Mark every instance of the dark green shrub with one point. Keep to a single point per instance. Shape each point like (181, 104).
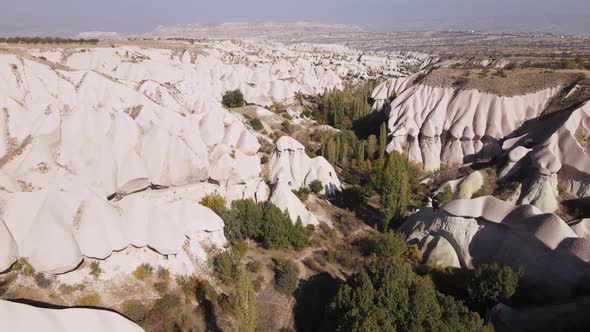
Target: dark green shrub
(286, 276)
(226, 267)
(233, 99)
(316, 186)
(349, 198)
(491, 284)
(256, 124)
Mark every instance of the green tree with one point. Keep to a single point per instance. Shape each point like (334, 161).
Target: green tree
(360, 153)
(395, 189)
(382, 139)
(233, 99)
(331, 152)
(286, 276)
(226, 267)
(245, 303)
(371, 147)
(390, 297)
(344, 156)
(491, 284)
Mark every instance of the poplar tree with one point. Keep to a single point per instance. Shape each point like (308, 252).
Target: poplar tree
(395, 190)
(245, 303)
(382, 139)
(371, 147)
(331, 152)
(360, 153)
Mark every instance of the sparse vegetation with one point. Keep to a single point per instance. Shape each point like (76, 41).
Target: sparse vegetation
(302, 193)
(90, 300)
(286, 276)
(135, 310)
(143, 271)
(95, 270)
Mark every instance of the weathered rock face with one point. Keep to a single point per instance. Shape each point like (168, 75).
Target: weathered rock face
(290, 164)
(485, 229)
(23, 317)
(449, 125)
(290, 168)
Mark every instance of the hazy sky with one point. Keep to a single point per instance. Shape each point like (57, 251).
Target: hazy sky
(72, 16)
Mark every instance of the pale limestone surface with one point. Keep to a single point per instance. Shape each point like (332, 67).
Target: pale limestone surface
(26, 318)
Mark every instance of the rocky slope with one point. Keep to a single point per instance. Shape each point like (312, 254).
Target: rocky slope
(104, 148)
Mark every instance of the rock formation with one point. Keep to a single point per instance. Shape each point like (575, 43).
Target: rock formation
(290, 169)
(22, 317)
(486, 229)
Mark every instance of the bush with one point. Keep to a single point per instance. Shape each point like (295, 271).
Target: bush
(316, 186)
(90, 300)
(226, 267)
(23, 265)
(134, 310)
(215, 202)
(390, 245)
(240, 248)
(286, 276)
(302, 193)
(233, 99)
(491, 284)
(164, 313)
(256, 124)
(163, 274)
(143, 271)
(95, 270)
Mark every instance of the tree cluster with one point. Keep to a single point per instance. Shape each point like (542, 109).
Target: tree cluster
(46, 40)
(264, 223)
